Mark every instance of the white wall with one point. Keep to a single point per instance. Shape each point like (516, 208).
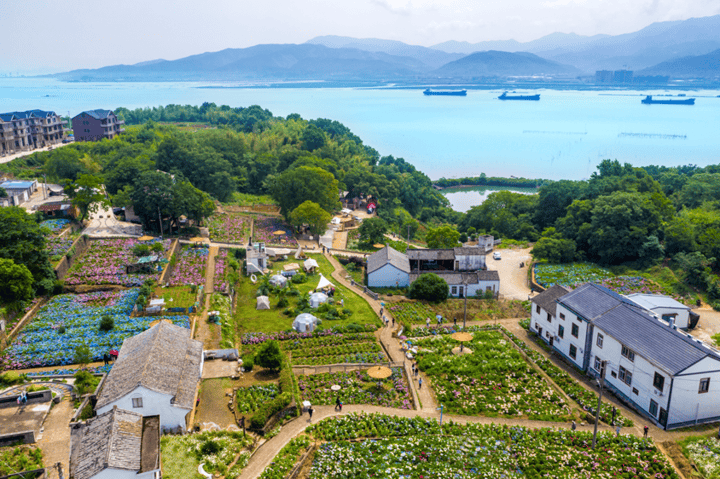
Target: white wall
(470, 262)
(681, 320)
(111, 473)
(388, 277)
(549, 328)
(563, 345)
(687, 403)
(154, 403)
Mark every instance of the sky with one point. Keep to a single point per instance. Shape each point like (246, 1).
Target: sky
(43, 36)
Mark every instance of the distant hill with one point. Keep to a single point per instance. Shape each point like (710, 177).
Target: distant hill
(430, 57)
(286, 62)
(707, 66)
(548, 42)
(494, 63)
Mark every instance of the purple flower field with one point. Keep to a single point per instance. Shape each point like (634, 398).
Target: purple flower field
(189, 267)
(357, 388)
(219, 281)
(264, 228)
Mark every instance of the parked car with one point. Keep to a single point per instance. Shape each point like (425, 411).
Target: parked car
(496, 255)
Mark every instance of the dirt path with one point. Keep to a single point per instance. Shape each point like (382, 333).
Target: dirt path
(513, 278)
(340, 240)
(55, 442)
(208, 333)
(214, 401)
(210, 270)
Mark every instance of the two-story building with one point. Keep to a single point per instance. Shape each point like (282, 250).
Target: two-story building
(95, 125)
(27, 130)
(543, 313)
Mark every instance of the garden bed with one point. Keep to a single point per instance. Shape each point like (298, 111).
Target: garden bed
(495, 380)
(418, 447)
(703, 451)
(216, 449)
(20, 458)
(177, 296)
(220, 284)
(357, 388)
(251, 398)
(229, 228)
(410, 313)
(335, 349)
(188, 266)
(68, 321)
(106, 260)
(264, 228)
(288, 456)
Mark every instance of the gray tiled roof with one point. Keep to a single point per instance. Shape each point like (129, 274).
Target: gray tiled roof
(117, 439)
(547, 299)
(652, 301)
(460, 277)
(98, 114)
(469, 251)
(663, 346)
(163, 359)
(388, 255)
(431, 254)
(591, 300)
(488, 275)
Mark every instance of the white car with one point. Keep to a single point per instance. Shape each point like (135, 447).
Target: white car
(496, 255)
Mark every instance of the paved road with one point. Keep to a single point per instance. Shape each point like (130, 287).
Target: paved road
(513, 279)
(9, 158)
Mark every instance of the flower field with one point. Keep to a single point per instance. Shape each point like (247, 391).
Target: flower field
(229, 228)
(705, 452)
(495, 380)
(258, 338)
(265, 226)
(41, 342)
(189, 266)
(635, 284)
(249, 399)
(57, 247)
(357, 388)
(105, 261)
(407, 313)
(286, 458)
(219, 280)
(335, 349)
(55, 226)
(570, 275)
(216, 449)
(419, 448)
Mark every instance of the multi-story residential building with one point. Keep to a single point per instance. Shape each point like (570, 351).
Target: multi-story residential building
(667, 375)
(94, 125)
(26, 130)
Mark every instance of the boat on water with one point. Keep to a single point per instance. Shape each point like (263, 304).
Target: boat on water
(505, 96)
(445, 92)
(648, 100)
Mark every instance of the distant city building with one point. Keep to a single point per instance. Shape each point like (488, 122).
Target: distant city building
(618, 76)
(28, 130)
(94, 125)
(623, 76)
(604, 76)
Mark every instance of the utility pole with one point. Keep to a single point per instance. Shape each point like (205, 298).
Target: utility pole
(408, 241)
(44, 186)
(465, 308)
(441, 413)
(601, 382)
(160, 222)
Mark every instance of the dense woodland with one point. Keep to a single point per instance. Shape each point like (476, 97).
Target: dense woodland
(622, 215)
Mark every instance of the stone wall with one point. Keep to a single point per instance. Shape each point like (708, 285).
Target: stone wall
(79, 247)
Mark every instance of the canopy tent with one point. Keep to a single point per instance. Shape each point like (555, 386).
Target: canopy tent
(310, 264)
(345, 211)
(279, 281)
(335, 221)
(291, 266)
(305, 323)
(324, 283)
(299, 253)
(263, 302)
(316, 299)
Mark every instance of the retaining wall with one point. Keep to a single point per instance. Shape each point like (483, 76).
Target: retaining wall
(78, 247)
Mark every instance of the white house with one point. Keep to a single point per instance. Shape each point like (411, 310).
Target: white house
(156, 374)
(469, 258)
(543, 314)
(256, 258)
(117, 444)
(667, 308)
(388, 268)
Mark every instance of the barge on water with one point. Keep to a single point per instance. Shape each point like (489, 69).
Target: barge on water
(445, 92)
(648, 100)
(505, 96)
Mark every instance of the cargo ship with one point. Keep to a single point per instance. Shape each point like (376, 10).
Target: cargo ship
(648, 100)
(505, 96)
(446, 92)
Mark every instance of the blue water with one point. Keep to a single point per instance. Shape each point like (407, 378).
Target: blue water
(564, 135)
(462, 199)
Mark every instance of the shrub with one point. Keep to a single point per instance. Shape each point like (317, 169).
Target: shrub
(269, 356)
(141, 249)
(248, 362)
(11, 378)
(299, 278)
(85, 382)
(107, 323)
(267, 410)
(429, 287)
(157, 247)
(61, 330)
(282, 302)
(209, 448)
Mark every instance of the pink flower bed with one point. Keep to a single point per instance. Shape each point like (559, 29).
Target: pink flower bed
(229, 228)
(189, 267)
(264, 228)
(219, 281)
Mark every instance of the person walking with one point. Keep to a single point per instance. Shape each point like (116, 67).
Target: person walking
(310, 413)
(420, 384)
(617, 431)
(106, 358)
(338, 404)
(574, 425)
(645, 432)
(393, 321)
(427, 323)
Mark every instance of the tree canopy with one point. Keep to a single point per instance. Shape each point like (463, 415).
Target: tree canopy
(311, 214)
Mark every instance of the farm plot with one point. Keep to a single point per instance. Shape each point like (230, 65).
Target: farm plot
(335, 349)
(250, 399)
(55, 226)
(411, 313)
(72, 320)
(219, 280)
(216, 449)
(189, 266)
(418, 447)
(357, 388)
(495, 380)
(570, 275)
(106, 260)
(705, 452)
(265, 227)
(229, 228)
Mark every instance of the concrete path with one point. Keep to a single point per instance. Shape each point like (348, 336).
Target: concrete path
(513, 278)
(55, 442)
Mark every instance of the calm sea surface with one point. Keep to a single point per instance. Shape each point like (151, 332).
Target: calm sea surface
(462, 199)
(564, 135)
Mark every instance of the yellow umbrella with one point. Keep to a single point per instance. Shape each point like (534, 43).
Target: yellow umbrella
(278, 232)
(379, 372)
(462, 337)
(378, 245)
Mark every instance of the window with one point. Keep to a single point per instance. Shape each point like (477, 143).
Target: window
(598, 364)
(635, 391)
(653, 408)
(613, 374)
(561, 332)
(562, 316)
(659, 381)
(549, 318)
(625, 376)
(454, 290)
(600, 338)
(704, 385)
(575, 330)
(137, 402)
(573, 351)
(537, 309)
(627, 352)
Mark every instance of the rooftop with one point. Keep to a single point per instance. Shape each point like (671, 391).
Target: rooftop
(547, 300)
(652, 301)
(17, 185)
(97, 114)
(163, 359)
(388, 255)
(431, 254)
(591, 301)
(460, 277)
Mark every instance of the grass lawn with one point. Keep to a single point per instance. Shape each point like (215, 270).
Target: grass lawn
(415, 312)
(358, 274)
(246, 199)
(217, 449)
(176, 296)
(250, 320)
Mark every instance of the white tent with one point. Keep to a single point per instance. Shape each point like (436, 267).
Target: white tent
(279, 281)
(305, 323)
(345, 211)
(310, 264)
(316, 299)
(324, 283)
(299, 253)
(335, 221)
(263, 302)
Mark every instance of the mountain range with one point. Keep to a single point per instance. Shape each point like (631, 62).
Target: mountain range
(676, 48)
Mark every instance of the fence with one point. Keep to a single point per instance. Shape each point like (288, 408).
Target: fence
(365, 290)
(27, 474)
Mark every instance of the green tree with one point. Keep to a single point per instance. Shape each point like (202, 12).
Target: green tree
(696, 267)
(429, 287)
(82, 355)
(411, 225)
(17, 281)
(294, 187)
(679, 236)
(152, 197)
(313, 138)
(86, 194)
(309, 213)
(651, 251)
(23, 241)
(372, 231)
(554, 250)
(269, 356)
(442, 237)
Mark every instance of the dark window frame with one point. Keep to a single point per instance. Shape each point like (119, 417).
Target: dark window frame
(561, 331)
(627, 353)
(575, 330)
(653, 406)
(573, 354)
(599, 340)
(658, 381)
(704, 386)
